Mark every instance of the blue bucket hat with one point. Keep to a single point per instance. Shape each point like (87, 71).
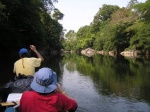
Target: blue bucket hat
(44, 81)
(23, 50)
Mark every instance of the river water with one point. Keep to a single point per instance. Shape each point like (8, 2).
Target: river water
(101, 83)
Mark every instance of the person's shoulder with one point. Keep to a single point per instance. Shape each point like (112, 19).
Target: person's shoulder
(59, 94)
(56, 94)
(18, 61)
(28, 95)
(28, 92)
(34, 58)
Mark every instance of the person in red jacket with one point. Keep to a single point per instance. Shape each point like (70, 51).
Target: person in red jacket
(47, 95)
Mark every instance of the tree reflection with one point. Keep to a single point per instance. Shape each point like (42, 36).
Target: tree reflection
(118, 76)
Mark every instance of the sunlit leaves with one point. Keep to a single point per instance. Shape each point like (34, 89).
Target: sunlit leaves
(122, 16)
(132, 3)
(144, 10)
(141, 41)
(105, 12)
(71, 36)
(115, 28)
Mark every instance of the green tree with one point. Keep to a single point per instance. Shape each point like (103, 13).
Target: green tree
(114, 35)
(69, 41)
(25, 22)
(57, 15)
(102, 17)
(141, 36)
(132, 3)
(71, 36)
(105, 12)
(84, 37)
(141, 40)
(144, 11)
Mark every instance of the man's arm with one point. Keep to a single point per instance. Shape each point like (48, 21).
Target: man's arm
(33, 48)
(59, 89)
(71, 105)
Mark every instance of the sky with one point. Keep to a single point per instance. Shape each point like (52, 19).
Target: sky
(78, 13)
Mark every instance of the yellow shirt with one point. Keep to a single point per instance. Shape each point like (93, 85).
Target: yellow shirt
(26, 66)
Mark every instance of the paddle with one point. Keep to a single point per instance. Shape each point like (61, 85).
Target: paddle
(9, 103)
(12, 99)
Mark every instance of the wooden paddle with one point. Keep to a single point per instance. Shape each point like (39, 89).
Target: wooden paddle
(9, 103)
(12, 99)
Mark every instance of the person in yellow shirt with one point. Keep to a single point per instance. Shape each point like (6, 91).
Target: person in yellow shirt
(26, 65)
(24, 70)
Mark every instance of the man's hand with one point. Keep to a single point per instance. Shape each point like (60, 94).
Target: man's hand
(59, 89)
(33, 48)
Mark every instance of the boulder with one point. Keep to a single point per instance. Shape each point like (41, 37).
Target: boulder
(88, 52)
(130, 53)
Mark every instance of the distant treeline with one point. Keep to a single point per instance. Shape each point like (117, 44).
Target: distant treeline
(114, 29)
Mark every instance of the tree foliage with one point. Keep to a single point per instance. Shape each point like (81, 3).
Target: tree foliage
(25, 22)
(57, 15)
(144, 11)
(70, 40)
(132, 3)
(117, 29)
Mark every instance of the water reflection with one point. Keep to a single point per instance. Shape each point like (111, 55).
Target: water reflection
(107, 84)
(100, 83)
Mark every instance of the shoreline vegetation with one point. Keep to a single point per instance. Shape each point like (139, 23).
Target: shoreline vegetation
(114, 31)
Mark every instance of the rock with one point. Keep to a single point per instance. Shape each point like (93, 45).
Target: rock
(130, 53)
(88, 52)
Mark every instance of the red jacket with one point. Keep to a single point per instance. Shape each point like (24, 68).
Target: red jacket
(32, 101)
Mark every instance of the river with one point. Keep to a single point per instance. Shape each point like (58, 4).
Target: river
(100, 83)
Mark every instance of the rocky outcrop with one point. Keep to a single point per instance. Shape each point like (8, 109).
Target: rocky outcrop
(111, 53)
(88, 52)
(130, 53)
(102, 52)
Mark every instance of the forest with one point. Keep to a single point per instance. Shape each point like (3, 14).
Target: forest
(25, 22)
(114, 29)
